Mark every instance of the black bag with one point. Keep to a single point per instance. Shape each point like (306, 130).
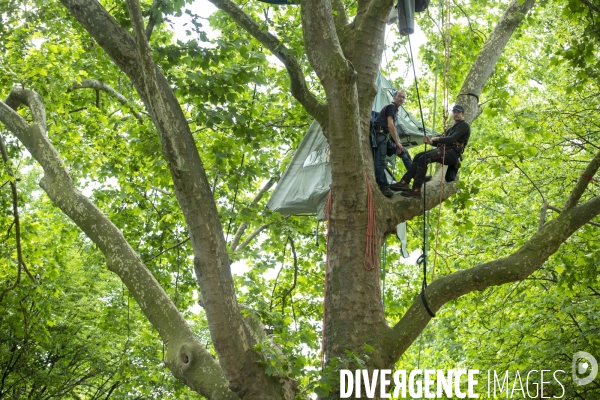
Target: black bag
(421, 5)
(373, 135)
(391, 147)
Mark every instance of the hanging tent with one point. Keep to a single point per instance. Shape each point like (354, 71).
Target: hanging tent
(304, 185)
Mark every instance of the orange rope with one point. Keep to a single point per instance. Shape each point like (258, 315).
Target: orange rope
(370, 260)
(327, 215)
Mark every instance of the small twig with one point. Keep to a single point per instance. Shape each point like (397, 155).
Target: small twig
(277, 277)
(257, 198)
(469, 22)
(165, 250)
(543, 212)
(161, 191)
(98, 85)
(77, 110)
(527, 176)
(288, 292)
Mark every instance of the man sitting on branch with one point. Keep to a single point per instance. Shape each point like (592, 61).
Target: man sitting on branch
(448, 152)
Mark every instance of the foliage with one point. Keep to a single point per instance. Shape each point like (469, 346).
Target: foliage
(538, 129)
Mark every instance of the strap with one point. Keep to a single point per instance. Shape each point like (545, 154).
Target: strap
(589, 178)
(423, 260)
(471, 94)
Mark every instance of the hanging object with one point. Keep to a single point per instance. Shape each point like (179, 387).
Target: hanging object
(406, 14)
(406, 17)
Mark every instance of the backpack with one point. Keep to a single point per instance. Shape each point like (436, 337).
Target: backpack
(421, 5)
(372, 133)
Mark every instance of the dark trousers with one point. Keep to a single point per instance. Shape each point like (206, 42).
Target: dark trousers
(406, 160)
(379, 158)
(418, 170)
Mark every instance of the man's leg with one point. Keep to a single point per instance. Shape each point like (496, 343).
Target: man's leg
(410, 173)
(420, 169)
(406, 160)
(379, 159)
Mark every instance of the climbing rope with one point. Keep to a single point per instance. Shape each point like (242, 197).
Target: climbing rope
(422, 260)
(446, 106)
(370, 258)
(446, 40)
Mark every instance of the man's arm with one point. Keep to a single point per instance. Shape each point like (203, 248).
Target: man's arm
(461, 130)
(392, 129)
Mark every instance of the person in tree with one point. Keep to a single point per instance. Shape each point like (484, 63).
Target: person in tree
(448, 152)
(385, 128)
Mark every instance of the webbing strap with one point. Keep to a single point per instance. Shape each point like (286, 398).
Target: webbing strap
(423, 260)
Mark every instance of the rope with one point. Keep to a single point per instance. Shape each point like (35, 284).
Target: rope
(327, 215)
(370, 258)
(423, 258)
(447, 38)
(589, 178)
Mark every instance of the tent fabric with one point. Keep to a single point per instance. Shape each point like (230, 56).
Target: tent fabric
(304, 186)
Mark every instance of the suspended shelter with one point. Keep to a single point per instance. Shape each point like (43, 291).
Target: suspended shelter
(304, 186)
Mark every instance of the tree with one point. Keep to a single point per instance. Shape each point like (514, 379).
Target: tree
(344, 53)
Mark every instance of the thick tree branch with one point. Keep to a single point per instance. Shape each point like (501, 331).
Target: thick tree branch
(591, 5)
(238, 235)
(299, 89)
(252, 236)
(558, 210)
(154, 18)
(375, 13)
(98, 85)
(517, 266)
(340, 18)
(229, 334)
(399, 209)
(486, 60)
(323, 47)
(183, 349)
(583, 182)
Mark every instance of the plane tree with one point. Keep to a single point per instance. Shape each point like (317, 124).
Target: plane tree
(343, 45)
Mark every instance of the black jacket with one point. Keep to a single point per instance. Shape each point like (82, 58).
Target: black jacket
(457, 133)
